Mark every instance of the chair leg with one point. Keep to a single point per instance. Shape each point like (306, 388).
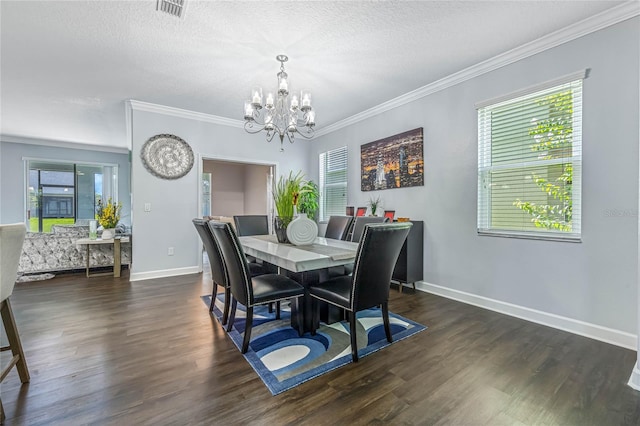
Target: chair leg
(278, 310)
(1, 413)
(315, 312)
(232, 315)
(214, 294)
(247, 330)
(299, 318)
(14, 340)
(227, 302)
(352, 330)
(385, 318)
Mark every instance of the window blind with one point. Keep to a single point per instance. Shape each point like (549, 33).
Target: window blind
(530, 164)
(333, 183)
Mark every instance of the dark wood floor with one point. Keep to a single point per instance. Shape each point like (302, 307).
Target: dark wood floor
(106, 351)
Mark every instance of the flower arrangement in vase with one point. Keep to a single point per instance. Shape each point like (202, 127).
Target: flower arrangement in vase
(285, 198)
(289, 226)
(108, 216)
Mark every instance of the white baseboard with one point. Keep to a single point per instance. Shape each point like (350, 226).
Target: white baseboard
(634, 380)
(593, 331)
(140, 276)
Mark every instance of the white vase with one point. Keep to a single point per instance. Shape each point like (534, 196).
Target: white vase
(302, 231)
(108, 234)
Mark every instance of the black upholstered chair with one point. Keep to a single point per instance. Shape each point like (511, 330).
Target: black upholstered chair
(369, 285)
(338, 227)
(251, 225)
(218, 272)
(251, 291)
(359, 223)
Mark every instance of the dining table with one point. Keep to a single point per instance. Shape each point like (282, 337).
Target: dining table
(306, 264)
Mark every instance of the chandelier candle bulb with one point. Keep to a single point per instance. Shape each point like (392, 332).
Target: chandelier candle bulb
(294, 102)
(248, 110)
(257, 96)
(269, 102)
(306, 99)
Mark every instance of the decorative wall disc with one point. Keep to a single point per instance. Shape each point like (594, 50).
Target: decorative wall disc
(167, 156)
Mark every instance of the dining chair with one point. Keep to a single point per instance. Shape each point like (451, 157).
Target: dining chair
(11, 240)
(216, 263)
(251, 291)
(247, 225)
(338, 227)
(389, 214)
(368, 287)
(361, 211)
(359, 224)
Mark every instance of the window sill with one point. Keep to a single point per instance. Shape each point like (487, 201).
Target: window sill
(570, 238)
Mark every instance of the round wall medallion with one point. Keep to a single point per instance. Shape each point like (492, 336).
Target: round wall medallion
(167, 156)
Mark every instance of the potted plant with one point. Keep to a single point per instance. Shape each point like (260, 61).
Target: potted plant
(374, 203)
(308, 201)
(108, 216)
(285, 197)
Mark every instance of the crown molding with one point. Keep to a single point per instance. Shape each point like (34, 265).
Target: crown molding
(594, 23)
(184, 113)
(62, 144)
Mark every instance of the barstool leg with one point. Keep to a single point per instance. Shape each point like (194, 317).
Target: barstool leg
(14, 340)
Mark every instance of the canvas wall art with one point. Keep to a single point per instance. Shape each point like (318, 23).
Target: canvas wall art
(393, 162)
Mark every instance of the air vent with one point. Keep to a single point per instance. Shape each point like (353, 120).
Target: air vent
(172, 7)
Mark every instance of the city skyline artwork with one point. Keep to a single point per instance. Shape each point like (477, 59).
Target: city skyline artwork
(393, 162)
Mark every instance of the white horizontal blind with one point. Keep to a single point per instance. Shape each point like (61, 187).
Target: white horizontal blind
(333, 183)
(530, 164)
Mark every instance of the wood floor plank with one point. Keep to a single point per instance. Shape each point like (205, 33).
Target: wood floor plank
(105, 351)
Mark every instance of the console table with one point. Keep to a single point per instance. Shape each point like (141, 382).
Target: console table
(116, 252)
(409, 267)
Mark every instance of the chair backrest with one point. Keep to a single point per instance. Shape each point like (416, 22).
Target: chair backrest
(361, 211)
(351, 211)
(235, 262)
(218, 272)
(338, 227)
(360, 222)
(252, 225)
(375, 261)
(11, 240)
(389, 214)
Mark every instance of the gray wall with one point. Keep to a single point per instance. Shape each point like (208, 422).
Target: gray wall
(175, 202)
(594, 281)
(255, 186)
(12, 191)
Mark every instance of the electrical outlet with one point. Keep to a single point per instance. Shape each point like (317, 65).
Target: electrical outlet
(147, 207)
(170, 251)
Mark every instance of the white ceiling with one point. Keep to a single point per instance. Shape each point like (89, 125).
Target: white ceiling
(68, 66)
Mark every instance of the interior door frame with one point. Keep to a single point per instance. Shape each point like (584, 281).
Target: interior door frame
(215, 157)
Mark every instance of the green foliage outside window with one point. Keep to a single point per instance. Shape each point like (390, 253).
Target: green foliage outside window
(553, 139)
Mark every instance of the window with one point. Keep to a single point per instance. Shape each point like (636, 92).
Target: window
(530, 163)
(333, 183)
(63, 193)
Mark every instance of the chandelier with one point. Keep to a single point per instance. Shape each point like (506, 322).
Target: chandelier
(280, 114)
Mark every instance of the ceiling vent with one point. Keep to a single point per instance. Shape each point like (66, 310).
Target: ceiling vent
(172, 7)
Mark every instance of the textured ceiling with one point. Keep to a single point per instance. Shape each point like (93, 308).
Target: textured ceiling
(68, 66)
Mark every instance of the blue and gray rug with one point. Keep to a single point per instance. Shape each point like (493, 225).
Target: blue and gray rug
(284, 360)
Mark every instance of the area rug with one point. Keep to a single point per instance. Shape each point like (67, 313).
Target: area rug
(284, 360)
